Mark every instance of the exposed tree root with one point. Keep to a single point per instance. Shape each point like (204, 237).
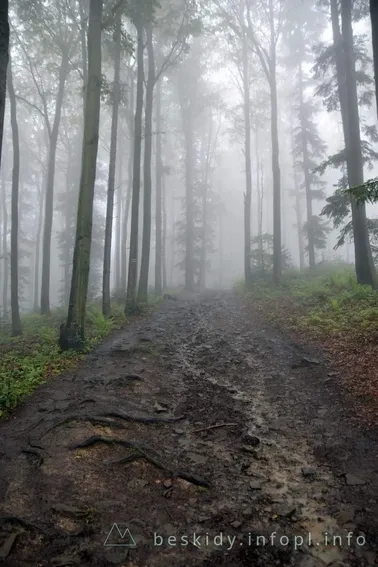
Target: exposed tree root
(214, 427)
(141, 419)
(144, 453)
(24, 523)
(93, 420)
(34, 453)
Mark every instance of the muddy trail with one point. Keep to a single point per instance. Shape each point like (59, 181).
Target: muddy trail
(195, 437)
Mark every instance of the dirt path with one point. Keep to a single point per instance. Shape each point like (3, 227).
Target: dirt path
(287, 462)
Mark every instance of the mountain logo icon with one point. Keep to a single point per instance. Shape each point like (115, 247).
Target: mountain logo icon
(119, 537)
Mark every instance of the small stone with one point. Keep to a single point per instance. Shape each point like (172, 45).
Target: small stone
(179, 431)
(251, 439)
(236, 524)
(352, 480)
(167, 484)
(308, 471)
(255, 484)
(159, 408)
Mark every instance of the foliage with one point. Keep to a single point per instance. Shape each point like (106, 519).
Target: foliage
(262, 255)
(28, 361)
(328, 303)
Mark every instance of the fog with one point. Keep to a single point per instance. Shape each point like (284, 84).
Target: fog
(213, 66)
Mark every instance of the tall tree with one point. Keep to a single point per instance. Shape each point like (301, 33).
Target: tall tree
(133, 255)
(112, 167)
(16, 321)
(147, 186)
(268, 59)
(4, 56)
(374, 29)
(344, 45)
(72, 334)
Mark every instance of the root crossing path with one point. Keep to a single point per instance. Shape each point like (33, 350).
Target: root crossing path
(196, 437)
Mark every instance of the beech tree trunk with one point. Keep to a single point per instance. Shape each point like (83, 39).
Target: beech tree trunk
(49, 204)
(15, 309)
(158, 211)
(72, 335)
(111, 177)
(307, 176)
(147, 189)
(248, 168)
(5, 245)
(347, 88)
(133, 256)
(374, 29)
(4, 57)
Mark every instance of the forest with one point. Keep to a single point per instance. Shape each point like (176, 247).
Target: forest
(188, 223)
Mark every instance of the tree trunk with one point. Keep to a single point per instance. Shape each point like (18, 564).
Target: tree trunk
(118, 228)
(158, 212)
(111, 178)
(37, 253)
(307, 176)
(248, 168)
(72, 335)
(129, 190)
(133, 256)
(16, 321)
(4, 56)
(5, 245)
(146, 242)
(164, 242)
(346, 74)
(277, 247)
(49, 205)
(189, 203)
(374, 29)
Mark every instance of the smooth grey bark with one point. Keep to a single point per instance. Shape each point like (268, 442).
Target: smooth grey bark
(49, 203)
(73, 333)
(111, 177)
(347, 90)
(126, 208)
(269, 65)
(133, 256)
(4, 57)
(147, 185)
(38, 248)
(298, 210)
(164, 236)
(158, 203)
(307, 175)
(15, 308)
(374, 29)
(118, 229)
(248, 166)
(5, 245)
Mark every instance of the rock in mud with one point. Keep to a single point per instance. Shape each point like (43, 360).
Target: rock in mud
(308, 472)
(352, 480)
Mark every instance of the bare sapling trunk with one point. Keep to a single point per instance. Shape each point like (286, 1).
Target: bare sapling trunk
(72, 334)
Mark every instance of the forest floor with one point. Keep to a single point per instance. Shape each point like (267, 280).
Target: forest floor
(196, 431)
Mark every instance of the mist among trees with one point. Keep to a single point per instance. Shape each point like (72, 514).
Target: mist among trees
(153, 146)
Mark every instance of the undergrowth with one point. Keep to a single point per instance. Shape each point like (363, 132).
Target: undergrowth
(322, 303)
(31, 359)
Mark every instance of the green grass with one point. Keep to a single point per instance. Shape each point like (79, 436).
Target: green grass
(29, 360)
(327, 302)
